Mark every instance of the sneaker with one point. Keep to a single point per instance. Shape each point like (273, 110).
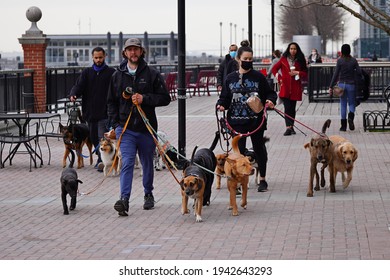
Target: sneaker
(122, 206)
(288, 132)
(263, 186)
(148, 201)
(100, 167)
(293, 131)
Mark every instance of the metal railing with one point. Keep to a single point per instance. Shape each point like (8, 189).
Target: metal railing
(320, 76)
(13, 85)
(16, 86)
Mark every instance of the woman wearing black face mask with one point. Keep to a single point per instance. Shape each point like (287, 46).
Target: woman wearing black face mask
(293, 67)
(236, 90)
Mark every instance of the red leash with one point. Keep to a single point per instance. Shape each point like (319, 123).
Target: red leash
(282, 113)
(254, 131)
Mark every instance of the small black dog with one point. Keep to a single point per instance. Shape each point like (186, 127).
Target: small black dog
(69, 185)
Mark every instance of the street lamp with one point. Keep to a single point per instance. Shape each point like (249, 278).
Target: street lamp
(254, 44)
(220, 38)
(258, 36)
(235, 33)
(231, 32)
(243, 34)
(342, 31)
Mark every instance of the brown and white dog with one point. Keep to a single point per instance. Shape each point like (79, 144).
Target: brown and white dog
(107, 154)
(238, 169)
(197, 182)
(344, 156)
(320, 148)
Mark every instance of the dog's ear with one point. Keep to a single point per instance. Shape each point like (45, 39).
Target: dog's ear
(200, 183)
(61, 127)
(78, 180)
(230, 161)
(182, 184)
(307, 145)
(328, 142)
(355, 154)
(340, 151)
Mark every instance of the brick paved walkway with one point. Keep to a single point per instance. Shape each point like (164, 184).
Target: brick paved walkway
(281, 224)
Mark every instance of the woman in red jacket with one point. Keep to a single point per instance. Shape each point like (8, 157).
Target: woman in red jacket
(293, 67)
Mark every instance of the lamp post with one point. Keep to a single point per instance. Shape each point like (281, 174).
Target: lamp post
(243, 34)
(254, 44)
(231, 32)
(235, 33)
(262, 43)
(220, 38)
(258, 36)
(342, 31)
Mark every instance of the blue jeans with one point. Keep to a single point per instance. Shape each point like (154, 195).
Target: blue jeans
(347, 98)
(133, 142)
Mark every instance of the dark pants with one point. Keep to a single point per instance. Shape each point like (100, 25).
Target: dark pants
(289, 109)
(96, 132)
(259, 148)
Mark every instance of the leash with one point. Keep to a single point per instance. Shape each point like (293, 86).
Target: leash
(222, 128)
(282, 114)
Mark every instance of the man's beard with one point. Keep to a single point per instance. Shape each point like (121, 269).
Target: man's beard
(134, 61)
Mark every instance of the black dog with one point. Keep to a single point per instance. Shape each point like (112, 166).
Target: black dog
(206, 159)
(69, 185)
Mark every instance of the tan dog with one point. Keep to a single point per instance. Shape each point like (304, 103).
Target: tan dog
(238, 169)
(220, 169)
(344, 156)
(320, 148)
(107, 154)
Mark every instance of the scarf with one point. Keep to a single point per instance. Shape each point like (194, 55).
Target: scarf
(99, 68)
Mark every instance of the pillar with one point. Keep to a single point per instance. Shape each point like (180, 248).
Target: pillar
(34, 44)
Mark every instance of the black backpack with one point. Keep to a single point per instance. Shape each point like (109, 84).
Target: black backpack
(362, 87)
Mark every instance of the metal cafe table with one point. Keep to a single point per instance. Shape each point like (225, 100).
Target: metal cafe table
(24, 136)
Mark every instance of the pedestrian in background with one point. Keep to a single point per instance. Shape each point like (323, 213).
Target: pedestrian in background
(314, 57)
(293, 67)
(135, 83)
(228, 65)
(92, 87)
(347, 69)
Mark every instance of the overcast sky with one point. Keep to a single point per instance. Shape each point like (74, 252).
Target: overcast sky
(154, 16)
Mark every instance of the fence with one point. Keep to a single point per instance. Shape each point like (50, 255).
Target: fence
(16, 85)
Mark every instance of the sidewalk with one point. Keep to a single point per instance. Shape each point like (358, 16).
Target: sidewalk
(281, 224)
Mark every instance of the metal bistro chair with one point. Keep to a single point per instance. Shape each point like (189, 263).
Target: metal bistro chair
(29, 138)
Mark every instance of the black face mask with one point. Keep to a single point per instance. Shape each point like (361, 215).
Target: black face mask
(246, 65)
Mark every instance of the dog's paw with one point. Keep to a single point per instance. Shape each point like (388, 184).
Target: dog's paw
(309, 194)
(198, 219)
(71, 208)
(316, 188)
(244, 206)
(230, 207)
(234, 213)
(66, 212)
(184, 212)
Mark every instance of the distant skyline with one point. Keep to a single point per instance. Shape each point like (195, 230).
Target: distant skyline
(203, 19)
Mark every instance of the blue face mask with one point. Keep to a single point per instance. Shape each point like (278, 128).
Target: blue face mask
(233, 54)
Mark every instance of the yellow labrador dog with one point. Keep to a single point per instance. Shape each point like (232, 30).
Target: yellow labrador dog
(344, 156)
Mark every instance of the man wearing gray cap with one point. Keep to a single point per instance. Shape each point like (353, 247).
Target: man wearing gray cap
(135, 83)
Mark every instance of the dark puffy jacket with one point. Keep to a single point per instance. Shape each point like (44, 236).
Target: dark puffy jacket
(227, 66)
(92, 87)
(148, 82)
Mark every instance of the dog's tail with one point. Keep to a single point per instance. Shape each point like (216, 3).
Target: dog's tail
(193, 154)
(235, 148)
(71, 157)
(215, 141)
(325, 126)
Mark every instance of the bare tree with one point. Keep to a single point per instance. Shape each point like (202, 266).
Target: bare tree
(310, 20)
(372, 15)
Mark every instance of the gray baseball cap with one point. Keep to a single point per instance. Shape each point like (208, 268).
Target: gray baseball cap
(135, 42)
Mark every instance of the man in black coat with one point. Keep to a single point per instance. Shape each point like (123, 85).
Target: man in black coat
(228, 65)
(92, 86)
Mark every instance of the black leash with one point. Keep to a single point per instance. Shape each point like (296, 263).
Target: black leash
(224, 131)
